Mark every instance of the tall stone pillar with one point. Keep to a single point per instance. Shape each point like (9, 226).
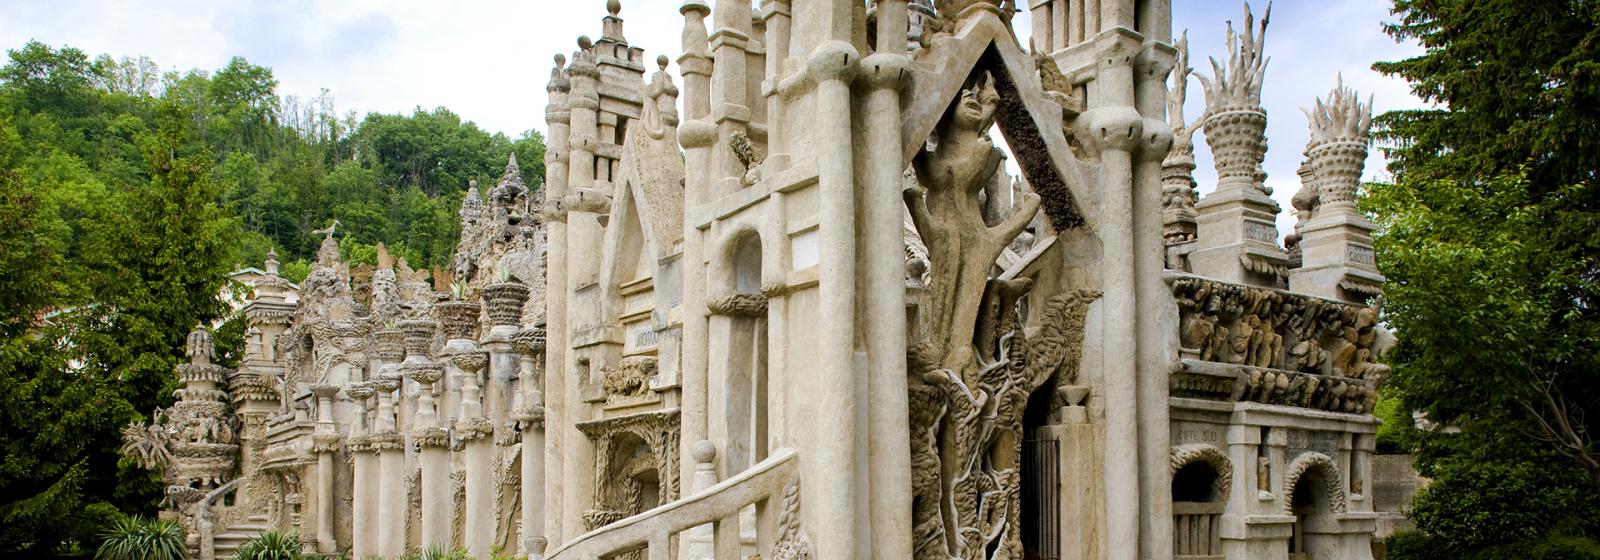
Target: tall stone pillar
(582, 233)
(325, 443)
(426, 432)
(364, 523)
(696, 136)
(558, 116)
(528, 413)
(389, 445)
(1337, 259)
(841, 481)
(883, 282)
(1238, 221)
(1113, 111)
(474, 431)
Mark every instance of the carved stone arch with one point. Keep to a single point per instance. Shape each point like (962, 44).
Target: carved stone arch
(1331, 477)
(1032, 124)
(1183, 455)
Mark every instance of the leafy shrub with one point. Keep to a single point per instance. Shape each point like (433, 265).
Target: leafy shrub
(271, 545)
(138, 538)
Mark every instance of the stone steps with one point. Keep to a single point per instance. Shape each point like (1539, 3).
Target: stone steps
(226, 543)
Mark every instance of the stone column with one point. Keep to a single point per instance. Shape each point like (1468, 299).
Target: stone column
(389, 445)
(325, 443)
(1119, 305)
(474, 430)
(883, 281)
(1337, 259)
(558, 117)
(1237, 222)
(841, 477)
(426, 432)
(696, 137)
(363, 527)
(581, 234)
(528, 413)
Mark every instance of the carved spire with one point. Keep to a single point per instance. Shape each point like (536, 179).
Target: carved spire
(1177, 171)
(1238, 85)
(1338, 147)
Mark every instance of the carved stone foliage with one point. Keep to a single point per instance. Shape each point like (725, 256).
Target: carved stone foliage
(971, 377)
(630, 451)
(1332, 480)
(630, 379)
(792, 542)
(739, 305)
(1293, 349)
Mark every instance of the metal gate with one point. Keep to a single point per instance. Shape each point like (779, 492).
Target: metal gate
(1041, 497)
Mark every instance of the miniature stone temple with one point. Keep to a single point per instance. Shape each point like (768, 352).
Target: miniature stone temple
(793, 304)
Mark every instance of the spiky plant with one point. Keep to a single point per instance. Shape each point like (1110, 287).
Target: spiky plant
(139, 538)
(149, 445)
(440, 552)
(271, 545)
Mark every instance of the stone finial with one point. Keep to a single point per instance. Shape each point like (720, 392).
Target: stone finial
(1178, 195)
(614, 7)
(272, 262)
(1338, 148)
(1238, 85)
(200, 347)
(558, 76)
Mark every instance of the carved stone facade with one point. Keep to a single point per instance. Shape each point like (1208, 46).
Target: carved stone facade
(806, 312)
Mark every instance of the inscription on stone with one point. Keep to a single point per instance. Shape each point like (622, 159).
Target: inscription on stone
(1301, 441)
(1257, 231)
(1196, 435)
(1362, 255)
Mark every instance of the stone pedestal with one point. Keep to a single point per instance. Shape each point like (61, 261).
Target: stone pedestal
(1237, 223)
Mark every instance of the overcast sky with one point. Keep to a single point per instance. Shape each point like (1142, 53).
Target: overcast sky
(488, 60)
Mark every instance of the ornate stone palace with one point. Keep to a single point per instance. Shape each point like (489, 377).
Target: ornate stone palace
(793, 304)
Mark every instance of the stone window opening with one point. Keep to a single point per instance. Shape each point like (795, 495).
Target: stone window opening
(1197, 507)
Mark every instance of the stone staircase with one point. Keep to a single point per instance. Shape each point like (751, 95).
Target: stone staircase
(227, 542)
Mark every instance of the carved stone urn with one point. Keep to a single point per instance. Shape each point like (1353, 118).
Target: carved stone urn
(504, 302)
(458, 319)
(418, 339)
(1238, 140)
(390, 344)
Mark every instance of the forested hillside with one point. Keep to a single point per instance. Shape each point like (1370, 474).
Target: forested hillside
(127, 194)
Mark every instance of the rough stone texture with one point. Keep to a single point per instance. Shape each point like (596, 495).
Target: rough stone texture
(797, 308)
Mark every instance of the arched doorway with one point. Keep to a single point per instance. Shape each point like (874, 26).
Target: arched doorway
(1313, 492)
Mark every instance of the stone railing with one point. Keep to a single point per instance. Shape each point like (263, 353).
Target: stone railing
(1246, 343)
(772, 485)
(206, 519)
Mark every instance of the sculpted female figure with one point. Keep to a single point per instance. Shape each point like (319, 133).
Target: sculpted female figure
(945, 209)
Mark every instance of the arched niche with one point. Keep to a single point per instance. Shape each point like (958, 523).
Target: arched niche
(1202, 478)
(739, 351)
(1313, 491)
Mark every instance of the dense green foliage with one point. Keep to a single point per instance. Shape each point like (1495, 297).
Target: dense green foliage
(126, 198)
(1490, 236)
(271, 545)
(138, 538)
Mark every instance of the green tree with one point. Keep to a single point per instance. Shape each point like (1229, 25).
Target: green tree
(1490, 236)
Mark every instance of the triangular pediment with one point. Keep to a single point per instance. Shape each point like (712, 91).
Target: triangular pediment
(1032, 124)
